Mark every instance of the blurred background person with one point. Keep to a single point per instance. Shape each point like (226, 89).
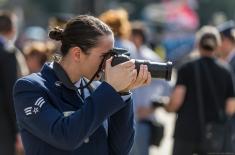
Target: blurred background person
(227, 50)
(140, 40)
(184, 99)
(12, 66)
(143, 97)
(58, 20)
(121, 27)
(30, 34)
(37, 53)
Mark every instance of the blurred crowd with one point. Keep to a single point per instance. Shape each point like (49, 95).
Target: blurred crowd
(23, 53)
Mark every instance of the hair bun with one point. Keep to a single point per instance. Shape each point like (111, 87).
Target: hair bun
(56, 34)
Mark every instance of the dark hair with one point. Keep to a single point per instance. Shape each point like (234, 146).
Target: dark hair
(138, 28)
(208, 42)
(6, 24)
(208, 38)
(229, 36)
(227, 29)
(82, 31)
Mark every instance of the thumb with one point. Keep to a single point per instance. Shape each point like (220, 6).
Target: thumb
(108, 63)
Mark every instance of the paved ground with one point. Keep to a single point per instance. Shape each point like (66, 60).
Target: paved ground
(168, 119)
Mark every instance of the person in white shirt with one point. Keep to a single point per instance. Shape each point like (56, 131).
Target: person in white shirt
(144, 97)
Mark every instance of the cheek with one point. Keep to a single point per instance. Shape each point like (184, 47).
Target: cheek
(96, 65)
(93, 65)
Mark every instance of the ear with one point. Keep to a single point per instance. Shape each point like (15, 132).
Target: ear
(76, 53)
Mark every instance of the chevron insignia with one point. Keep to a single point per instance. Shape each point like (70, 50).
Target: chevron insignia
(35, 108)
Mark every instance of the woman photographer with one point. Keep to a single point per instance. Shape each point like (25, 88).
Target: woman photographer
(59, 114)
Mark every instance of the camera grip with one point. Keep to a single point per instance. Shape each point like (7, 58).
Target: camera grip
(117, 60)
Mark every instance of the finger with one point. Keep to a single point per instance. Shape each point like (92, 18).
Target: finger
(128, 63)
(131, 68)
(141, 73)
(134, 75)
(145, 75)
(133, 78)
(137, 81)
(108, 63)
(149, 79)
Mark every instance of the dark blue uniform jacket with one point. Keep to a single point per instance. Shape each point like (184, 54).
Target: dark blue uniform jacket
(54, 120)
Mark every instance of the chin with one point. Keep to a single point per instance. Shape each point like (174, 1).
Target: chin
(98, 77)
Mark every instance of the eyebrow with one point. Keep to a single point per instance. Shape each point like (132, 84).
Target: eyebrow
(107, 52)
(104, 54)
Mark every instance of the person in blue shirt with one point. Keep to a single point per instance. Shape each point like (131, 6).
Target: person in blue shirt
(60, 113)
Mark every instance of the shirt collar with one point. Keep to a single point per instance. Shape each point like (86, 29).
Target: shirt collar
(63, 77)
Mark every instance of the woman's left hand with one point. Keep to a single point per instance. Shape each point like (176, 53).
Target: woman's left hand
(143, 78)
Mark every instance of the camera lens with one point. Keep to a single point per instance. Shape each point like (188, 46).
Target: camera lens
(157, 69)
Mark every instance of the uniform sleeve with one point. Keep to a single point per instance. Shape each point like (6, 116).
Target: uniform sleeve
(36, 114)
(121, 130)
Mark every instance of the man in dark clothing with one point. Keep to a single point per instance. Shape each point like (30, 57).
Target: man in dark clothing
(184, 99)
(227, 50)
(9, 71)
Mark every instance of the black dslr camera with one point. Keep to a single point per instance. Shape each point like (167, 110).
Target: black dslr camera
(157, 69)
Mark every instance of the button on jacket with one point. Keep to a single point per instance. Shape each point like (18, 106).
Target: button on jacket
(54, 120)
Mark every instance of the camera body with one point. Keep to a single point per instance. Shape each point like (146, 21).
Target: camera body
(157, 69)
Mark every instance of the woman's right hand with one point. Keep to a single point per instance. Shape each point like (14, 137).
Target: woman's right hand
(121, 75)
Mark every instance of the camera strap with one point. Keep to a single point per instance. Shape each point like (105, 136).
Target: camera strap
(106, 56)
(96, 74)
